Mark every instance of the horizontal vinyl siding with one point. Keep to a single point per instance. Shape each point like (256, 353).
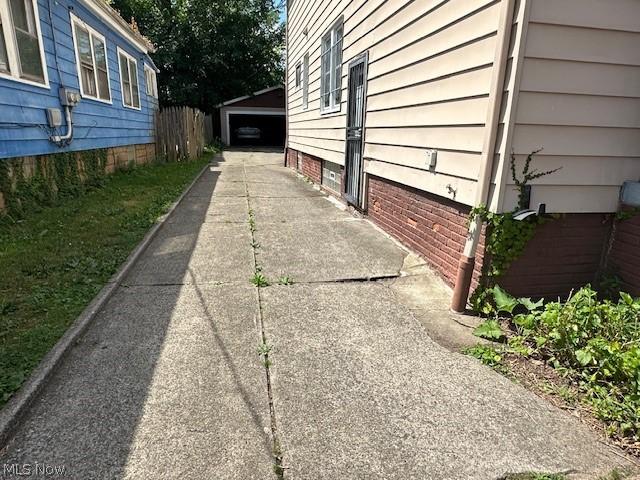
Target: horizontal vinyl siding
(430, 67)
(580, 101)
(96, 124)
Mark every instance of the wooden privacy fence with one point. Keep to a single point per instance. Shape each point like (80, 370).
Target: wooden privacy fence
(179, 133)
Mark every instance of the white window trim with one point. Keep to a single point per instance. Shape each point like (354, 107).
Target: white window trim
(154, 85)
(297, 81)
(76, 20)
(11, 48)
(129, 57)
(305, 82)
(333, 106)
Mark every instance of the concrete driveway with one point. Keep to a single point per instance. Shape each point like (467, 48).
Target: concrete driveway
(168, 383)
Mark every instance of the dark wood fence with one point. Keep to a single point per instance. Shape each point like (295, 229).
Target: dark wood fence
(180, 133)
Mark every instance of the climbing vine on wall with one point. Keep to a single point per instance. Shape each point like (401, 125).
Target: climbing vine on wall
(49, 178)
(506, 237)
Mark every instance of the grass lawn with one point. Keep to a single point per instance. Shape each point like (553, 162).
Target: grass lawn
(56, 260)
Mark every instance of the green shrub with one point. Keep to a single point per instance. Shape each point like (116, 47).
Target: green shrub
(595, 343)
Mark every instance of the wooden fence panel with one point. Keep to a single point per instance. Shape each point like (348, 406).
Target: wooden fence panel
(180, 133)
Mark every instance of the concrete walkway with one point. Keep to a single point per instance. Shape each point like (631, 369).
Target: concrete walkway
(167, 382)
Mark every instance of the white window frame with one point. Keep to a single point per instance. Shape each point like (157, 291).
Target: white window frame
(12, 53)
(153, 83)
(121, 52)
(331, 35)
(305, 82)
(78, 21)
(298, 75)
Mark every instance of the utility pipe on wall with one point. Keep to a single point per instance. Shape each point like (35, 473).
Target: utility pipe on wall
(61, 140)
(468, 258)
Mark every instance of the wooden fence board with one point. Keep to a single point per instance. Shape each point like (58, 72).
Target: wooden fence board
(180, 133)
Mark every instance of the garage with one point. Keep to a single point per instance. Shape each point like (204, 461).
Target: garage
(257, 120)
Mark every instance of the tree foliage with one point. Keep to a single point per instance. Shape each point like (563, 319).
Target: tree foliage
(210, 50)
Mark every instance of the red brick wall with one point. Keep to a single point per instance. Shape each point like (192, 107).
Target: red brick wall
(565, 254)
(312, 168)
(624, 258)
(292, 159)
(433, 226)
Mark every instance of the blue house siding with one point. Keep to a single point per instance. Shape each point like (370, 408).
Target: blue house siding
(23, 107)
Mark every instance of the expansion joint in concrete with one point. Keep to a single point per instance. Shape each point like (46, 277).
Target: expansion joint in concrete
(265, 348)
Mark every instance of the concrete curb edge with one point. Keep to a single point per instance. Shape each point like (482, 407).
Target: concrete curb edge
(13, 412)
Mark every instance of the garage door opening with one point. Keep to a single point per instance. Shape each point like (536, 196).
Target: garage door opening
(257, 130)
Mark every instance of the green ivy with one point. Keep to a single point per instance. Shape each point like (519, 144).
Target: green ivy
(60, 175)
(628, 214)
(506, 238)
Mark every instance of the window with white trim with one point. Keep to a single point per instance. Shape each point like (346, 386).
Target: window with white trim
(298, 74)
(151, 81)
(21, 51)
(91, 59)
(305, 82)
(129, 80)
(331, 69)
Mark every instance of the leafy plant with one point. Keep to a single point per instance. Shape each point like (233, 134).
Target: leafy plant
(259, 280)
(595, 343)
(487, 354)
(285, 280)
(528, 176)
(489, 329)
(264, 349)
(506, 237)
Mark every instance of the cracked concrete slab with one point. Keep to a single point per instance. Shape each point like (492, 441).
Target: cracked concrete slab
(270, 174)
(291, 210)
(362, 392)
(165, 384)
(280, 190)
(214, 209)
(185, 253)
(220, 189)
(328, 251)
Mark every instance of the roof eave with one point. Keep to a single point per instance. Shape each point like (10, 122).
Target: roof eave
(114, 20)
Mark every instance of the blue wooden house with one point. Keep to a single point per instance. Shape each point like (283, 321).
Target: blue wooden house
(73, 76)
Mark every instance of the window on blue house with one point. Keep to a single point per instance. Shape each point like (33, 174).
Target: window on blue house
(91, 58)
(129, 80)
(4, 60)
(151, 82)
(21, 50)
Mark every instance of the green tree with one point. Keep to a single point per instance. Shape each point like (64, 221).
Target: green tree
(210, 50)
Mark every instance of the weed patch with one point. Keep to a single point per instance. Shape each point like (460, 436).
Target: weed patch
(259, 280)
(593, 343)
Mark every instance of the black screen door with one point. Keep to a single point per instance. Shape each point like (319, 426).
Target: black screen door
(355, 130)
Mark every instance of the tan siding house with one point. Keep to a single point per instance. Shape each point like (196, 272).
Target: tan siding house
(421, 104)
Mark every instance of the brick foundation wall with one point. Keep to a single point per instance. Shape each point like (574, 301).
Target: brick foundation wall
(291, 159)
(624, 257)
(433, 226)
(565, 254)
(311, 166)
